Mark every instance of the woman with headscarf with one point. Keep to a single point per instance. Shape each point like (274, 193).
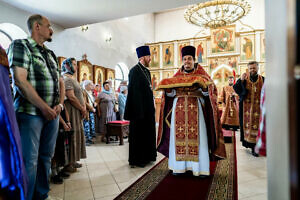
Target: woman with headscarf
(106, 100)
(76, 108)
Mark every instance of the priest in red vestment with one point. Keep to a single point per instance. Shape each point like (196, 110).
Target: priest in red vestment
(248, 87)
(189, 129)
(229, 100)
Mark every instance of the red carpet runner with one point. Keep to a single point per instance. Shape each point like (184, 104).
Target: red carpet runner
(159, 183)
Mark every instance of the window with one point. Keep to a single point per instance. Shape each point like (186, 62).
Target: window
(5, 39)
(10, 32)
(121, 71)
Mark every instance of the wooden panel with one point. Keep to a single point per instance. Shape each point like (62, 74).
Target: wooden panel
(60, 60)
(85, 71)
(99, 74)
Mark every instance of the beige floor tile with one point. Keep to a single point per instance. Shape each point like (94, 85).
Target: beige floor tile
(253, 187)
(78, 175)
(99, 172)
(245, 176)
(56, 194)
(102, 180)
(106, 190)
(126, 184)
(256, 197)
(94, 160)
(96, 166)
(82, 194)
(78, 184)
(124, 177)
(57, 188)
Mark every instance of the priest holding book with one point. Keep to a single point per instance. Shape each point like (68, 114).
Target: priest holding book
(189, 131)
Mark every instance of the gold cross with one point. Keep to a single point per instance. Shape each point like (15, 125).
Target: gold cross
(180, 106)
(180, 129)
(192, 106)
(192, 129)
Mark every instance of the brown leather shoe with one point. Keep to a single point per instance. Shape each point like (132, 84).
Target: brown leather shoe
(69, 169)
(77, 165)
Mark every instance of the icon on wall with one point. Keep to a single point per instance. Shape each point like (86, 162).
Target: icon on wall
(201, 51)
(223, 40)
(168, 55)
(247, 47)
(155, 55)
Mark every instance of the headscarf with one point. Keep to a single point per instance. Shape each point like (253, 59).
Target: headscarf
(106, 91)
(67, 67)
(122, 88)
(86, 83)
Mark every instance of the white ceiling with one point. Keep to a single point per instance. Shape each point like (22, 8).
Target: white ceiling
(72, 13)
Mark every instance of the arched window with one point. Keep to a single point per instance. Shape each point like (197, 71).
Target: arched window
(10, 32)
(5, 39)
(121, 71)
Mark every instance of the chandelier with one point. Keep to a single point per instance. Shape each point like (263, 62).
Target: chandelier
(217, 13)
(84, 28)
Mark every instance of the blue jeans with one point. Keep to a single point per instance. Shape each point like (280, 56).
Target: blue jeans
(38, 138)
(89, 127)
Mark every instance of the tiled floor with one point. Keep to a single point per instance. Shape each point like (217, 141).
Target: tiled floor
(106, 173)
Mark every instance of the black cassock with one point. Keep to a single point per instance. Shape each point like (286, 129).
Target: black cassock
(140, 112)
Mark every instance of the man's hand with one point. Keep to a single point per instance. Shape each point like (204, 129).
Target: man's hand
(49, 113)
(244, 76)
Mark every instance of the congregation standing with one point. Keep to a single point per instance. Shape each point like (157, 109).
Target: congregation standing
(57, 117)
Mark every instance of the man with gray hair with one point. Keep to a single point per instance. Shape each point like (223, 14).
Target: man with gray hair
(38, 101)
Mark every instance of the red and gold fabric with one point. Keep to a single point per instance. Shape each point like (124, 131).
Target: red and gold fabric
(184, 80)
(251, 109)
(186, 129)
(186, 116)
(229, 99)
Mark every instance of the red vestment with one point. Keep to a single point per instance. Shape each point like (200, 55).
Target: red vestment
(251, 109)
(186, 125)
(230, 113)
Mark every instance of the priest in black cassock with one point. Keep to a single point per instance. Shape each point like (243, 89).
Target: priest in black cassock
(141, 112)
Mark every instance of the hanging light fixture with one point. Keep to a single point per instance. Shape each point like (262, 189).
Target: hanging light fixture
(217, 13)
(84, 28)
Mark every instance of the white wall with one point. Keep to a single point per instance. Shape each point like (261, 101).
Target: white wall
(126, 33)
(171, 25)
(9, 14)
(277, 98)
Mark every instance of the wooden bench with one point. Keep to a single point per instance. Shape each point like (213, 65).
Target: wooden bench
(117, 128)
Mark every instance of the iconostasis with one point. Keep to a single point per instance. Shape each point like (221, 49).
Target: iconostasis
(87, 71)
(223, 53)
